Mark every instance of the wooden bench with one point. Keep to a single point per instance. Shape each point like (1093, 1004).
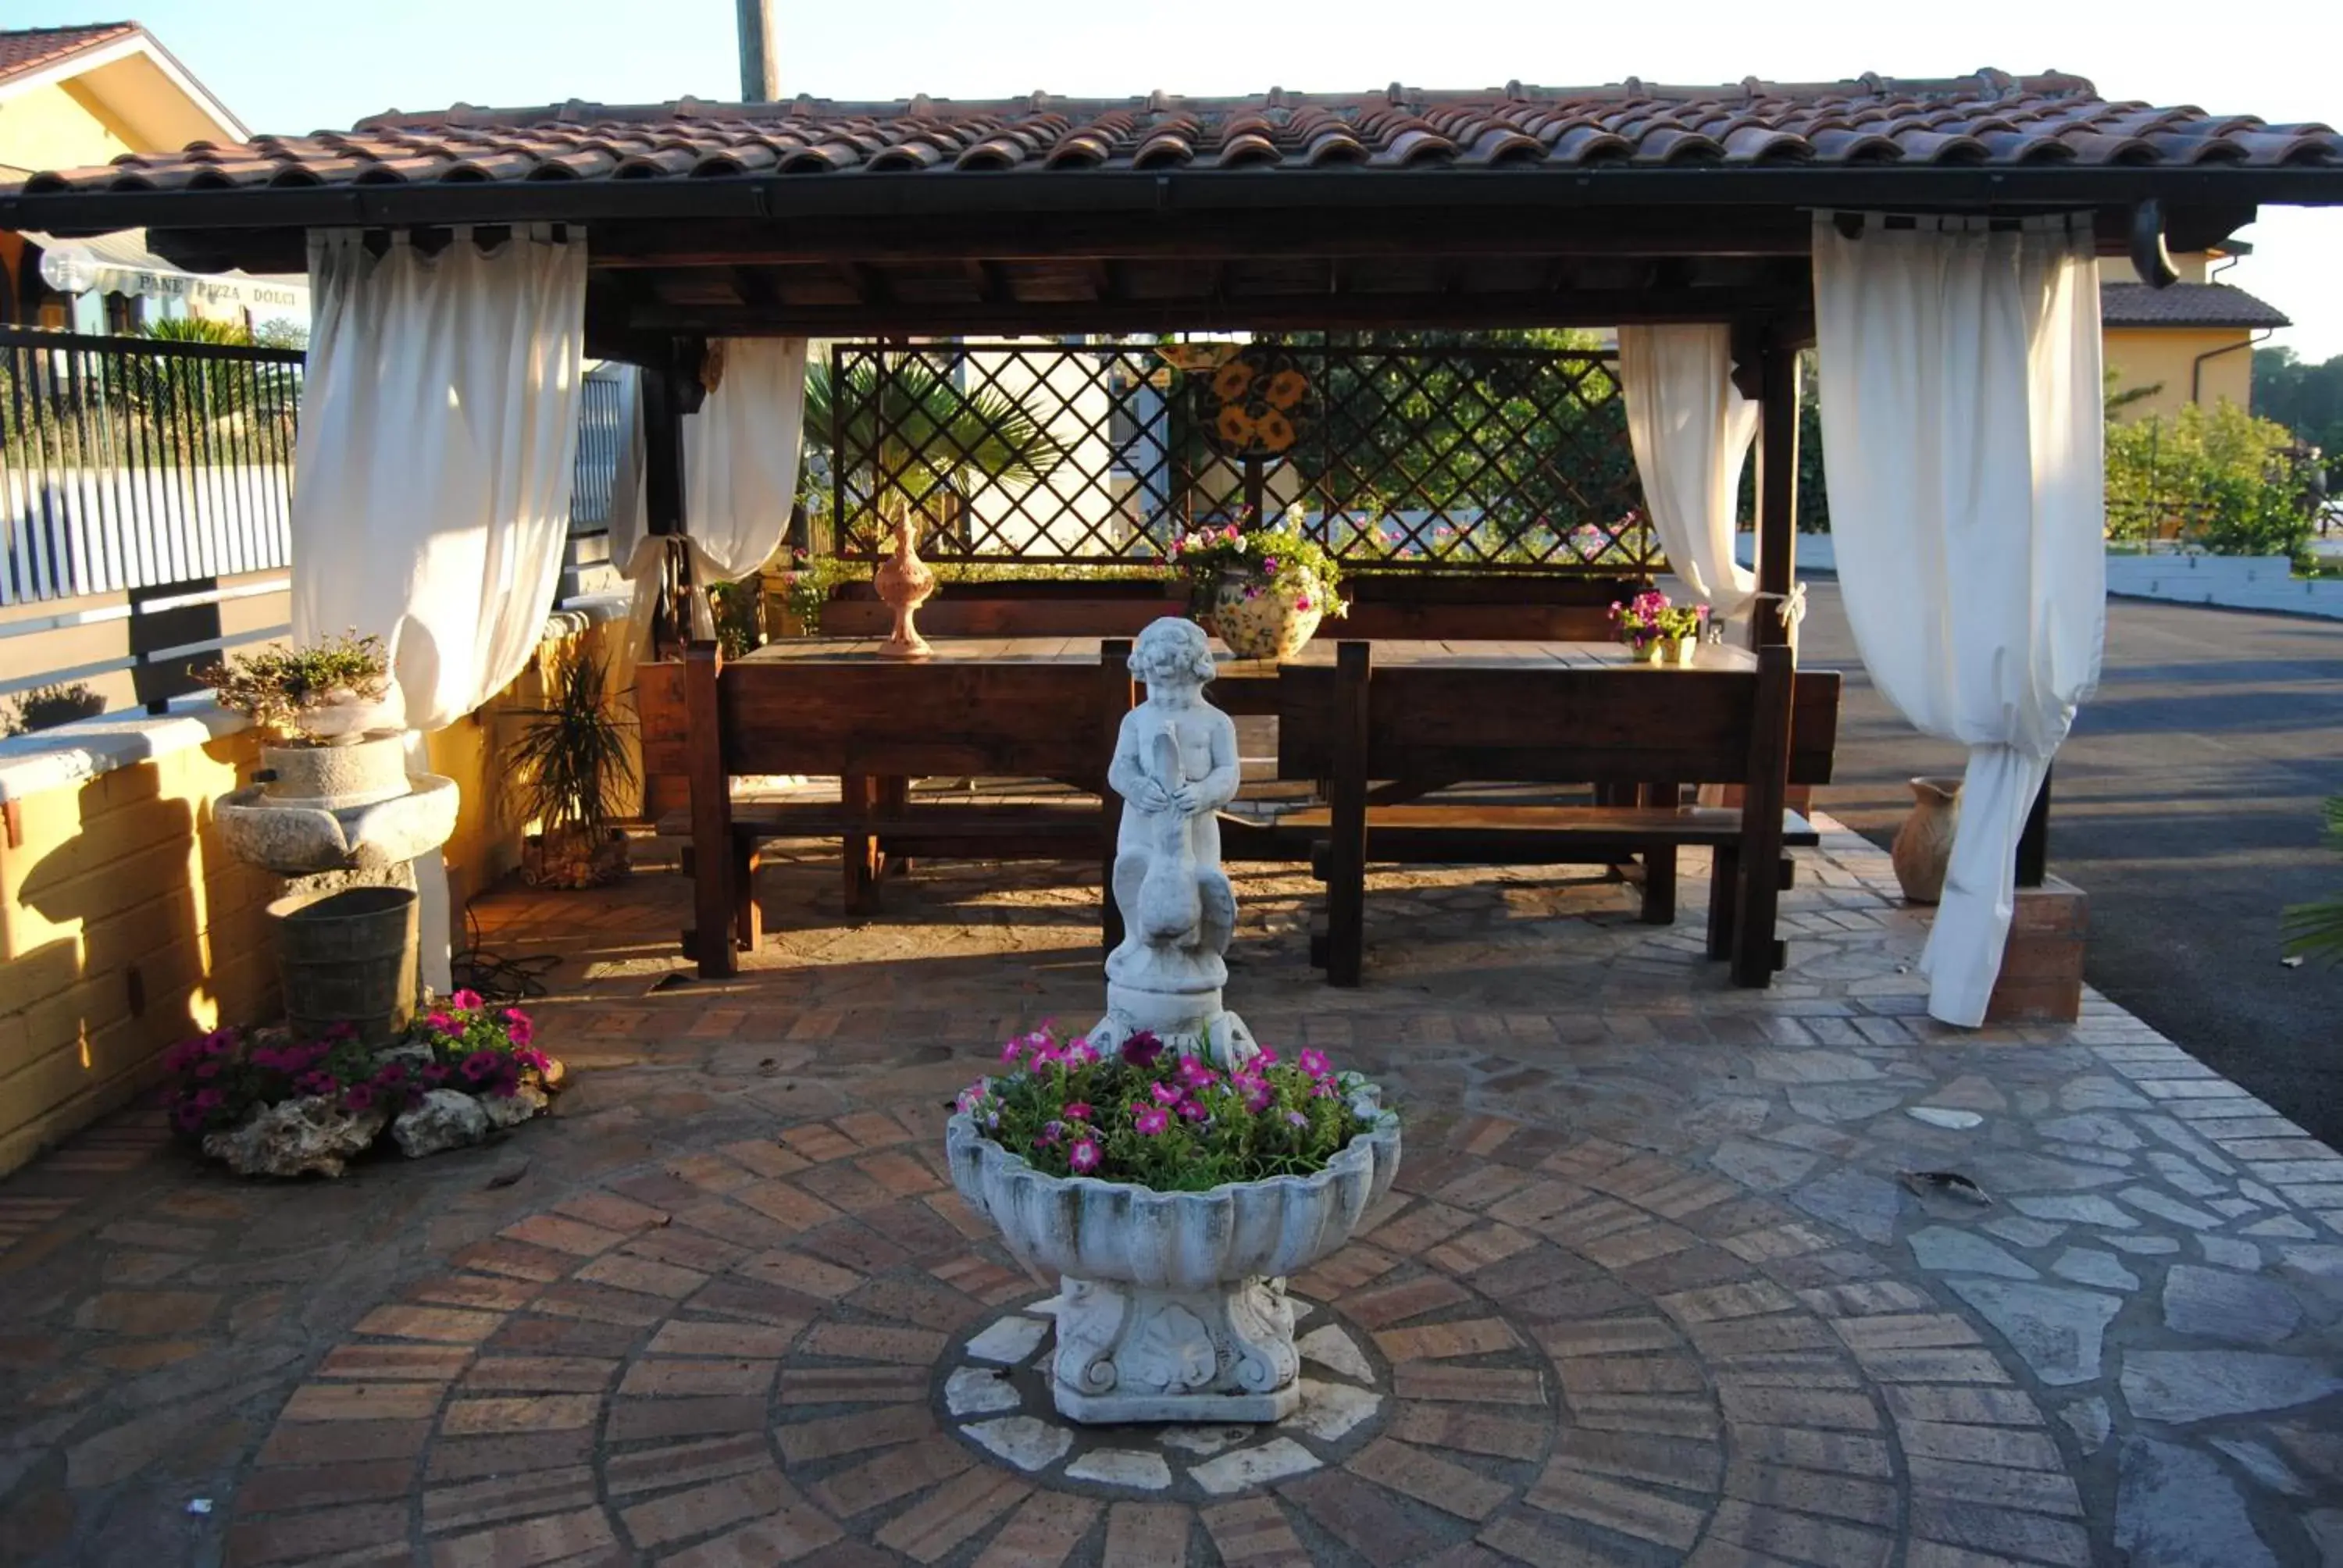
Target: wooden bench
(1639, 735)
(877, 724)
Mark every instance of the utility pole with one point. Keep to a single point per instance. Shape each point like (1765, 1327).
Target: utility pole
(760, 69)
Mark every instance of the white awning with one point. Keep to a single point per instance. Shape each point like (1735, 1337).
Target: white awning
(121, 264)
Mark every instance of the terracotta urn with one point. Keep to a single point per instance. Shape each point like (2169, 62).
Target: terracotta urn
(1255, 619)
(1924, 844)
(904, 582)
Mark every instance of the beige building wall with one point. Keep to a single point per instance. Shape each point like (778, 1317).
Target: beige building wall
(125, 926)
(2167, 357)
(57, 127)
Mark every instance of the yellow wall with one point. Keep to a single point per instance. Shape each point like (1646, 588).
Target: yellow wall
(2149, 355)
(125, 926)
(56, 127)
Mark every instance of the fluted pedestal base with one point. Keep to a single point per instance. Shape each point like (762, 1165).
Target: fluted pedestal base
(1130, 1354)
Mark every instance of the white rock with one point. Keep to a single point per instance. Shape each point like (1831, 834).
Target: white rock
(978, 1391)
(443, 1118)
(1335, 1350)
(1331, 1410)
(1203, 1440)
(511, 1109)
(297, 1138)
(1023, 1441)
(1123, 1467)
(1251, 1467)
(1938, 1116)
(1009, 1341)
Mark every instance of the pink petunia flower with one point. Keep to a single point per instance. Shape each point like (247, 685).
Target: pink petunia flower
(1316, 1064)
(1192, 1111)
(210, 1099)
(1150, 1121)
(442, 1022)
(357, 1097)
(1142, 1048)
(465, 1000)
(1165, 1093)
(1084, 1156)
(1078, 1111)
(1012, 1051)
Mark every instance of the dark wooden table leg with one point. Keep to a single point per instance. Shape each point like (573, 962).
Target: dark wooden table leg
(858, 794)
(1346, 867)
(749, 916)
(1660, 860)
(711, 816)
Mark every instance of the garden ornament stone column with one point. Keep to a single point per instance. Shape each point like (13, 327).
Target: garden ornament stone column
(1175, 765)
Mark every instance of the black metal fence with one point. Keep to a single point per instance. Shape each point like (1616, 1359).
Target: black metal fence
(132, 463)
(1459, 457)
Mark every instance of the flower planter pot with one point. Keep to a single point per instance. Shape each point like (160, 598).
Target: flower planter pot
(1173, 1306)
(342, 717)
(574, 858)
(336, 778)
(1254, 619)
(348, 957)
(1924, 844)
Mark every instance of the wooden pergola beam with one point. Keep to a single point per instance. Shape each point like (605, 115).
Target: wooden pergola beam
(1220, 312)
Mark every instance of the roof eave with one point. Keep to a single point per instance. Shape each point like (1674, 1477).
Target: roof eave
(1966, 188)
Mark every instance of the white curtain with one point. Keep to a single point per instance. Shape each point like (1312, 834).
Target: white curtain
(1691, 428)
(433, 468)
(1961, 417)
(739, 471)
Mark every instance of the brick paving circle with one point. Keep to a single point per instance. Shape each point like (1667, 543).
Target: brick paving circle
(747, 1354)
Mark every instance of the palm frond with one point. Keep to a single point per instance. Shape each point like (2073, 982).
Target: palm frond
(912, 431)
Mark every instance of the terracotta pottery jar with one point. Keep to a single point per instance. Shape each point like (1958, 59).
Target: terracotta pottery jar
(1924, 842)
(904, 582)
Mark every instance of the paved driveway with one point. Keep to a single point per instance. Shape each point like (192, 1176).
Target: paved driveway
(2187, 803)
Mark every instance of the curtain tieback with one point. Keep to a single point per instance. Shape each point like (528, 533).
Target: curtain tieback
(1793, 605)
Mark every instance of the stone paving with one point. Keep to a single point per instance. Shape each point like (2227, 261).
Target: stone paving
(1652, 1286)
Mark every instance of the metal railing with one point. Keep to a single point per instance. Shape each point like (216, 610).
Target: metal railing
(602, 436)
(131, 463)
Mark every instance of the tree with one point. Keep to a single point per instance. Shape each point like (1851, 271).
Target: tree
(2307, 399)
(2219, 478)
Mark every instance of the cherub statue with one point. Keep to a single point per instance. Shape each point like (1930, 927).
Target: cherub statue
(1175, 764)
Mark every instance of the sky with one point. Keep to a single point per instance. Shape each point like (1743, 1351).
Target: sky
(292, 67)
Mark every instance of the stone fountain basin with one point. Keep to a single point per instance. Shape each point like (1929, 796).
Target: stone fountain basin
(301, 840)
(1111, 1231)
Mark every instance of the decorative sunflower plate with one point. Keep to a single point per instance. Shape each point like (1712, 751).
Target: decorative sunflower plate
(1259, 404)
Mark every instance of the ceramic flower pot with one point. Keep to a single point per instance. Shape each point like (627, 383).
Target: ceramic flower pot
(342, 717)
(1924, 844)
(1255, 619)
(1174, 1305)
(1687, 649)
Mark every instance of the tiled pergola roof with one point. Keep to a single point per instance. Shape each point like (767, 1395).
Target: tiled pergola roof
(2185, 305)
(1988, 119)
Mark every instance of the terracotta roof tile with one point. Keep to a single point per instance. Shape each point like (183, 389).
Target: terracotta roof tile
(32, 48)
(1989, 119)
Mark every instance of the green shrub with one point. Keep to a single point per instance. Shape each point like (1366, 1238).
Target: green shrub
(2224, 478)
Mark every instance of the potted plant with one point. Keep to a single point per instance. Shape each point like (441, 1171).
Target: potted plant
(571, 770)
(1660, 632)
(1261, 590)
(319, 705)
(1173, 1198)
(908, 440)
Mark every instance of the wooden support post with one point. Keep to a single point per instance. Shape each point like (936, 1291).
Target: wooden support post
(1757, 953)
(1346, 870)
(1660, 860)
(711, 815)
(2034, 843)
(663, 500)
(1115, 699)
(858, 795)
